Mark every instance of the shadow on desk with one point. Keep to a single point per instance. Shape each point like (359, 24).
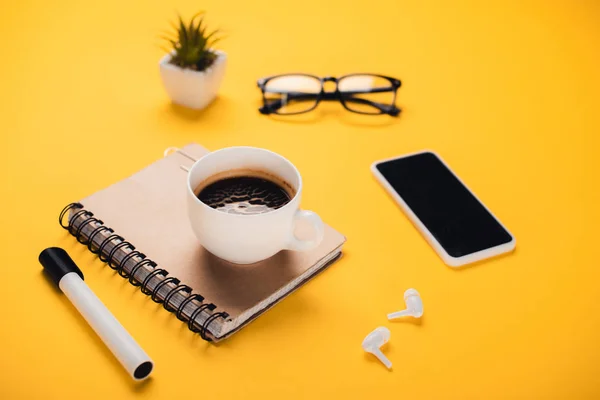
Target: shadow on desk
(219, 105)
(331, 111)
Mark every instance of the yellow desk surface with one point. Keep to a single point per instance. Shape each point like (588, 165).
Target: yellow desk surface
(506, 92)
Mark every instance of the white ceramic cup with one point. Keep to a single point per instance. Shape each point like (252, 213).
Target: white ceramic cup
(246, 239)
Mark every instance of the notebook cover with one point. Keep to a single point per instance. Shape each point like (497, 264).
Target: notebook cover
(149, 209)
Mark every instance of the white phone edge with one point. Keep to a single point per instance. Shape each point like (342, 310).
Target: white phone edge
(442, 253)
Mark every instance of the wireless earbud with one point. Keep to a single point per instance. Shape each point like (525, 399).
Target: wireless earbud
(414, 306)
(374, 341)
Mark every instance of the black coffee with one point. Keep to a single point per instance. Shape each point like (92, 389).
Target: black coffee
(245, 195)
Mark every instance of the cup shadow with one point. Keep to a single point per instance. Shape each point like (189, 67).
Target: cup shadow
(247, 284)
(239, 285)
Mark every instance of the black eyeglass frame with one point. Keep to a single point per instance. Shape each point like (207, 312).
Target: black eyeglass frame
(337, 95)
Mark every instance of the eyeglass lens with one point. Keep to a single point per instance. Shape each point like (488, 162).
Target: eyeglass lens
(367, 94)
(292, 94)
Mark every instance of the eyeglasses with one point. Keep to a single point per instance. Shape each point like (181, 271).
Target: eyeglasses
(299, 93)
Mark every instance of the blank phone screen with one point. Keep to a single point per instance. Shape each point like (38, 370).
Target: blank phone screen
(457, 220)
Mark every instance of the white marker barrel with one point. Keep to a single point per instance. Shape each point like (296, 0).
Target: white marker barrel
(65, 273)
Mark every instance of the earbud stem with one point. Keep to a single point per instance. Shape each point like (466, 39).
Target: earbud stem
(399, 314)
(382, 358)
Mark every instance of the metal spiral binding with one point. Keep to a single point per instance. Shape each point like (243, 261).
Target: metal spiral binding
(154, 294)
(121, 271)
(208, 321)
(143, 273)
(197, 311)
(137, 267)
(156, 272)
(105, 243)
(111, 254)
(176, 289)
(65, 211)
(78, 233)
(96, 231)
(76, 217)
(184, 303)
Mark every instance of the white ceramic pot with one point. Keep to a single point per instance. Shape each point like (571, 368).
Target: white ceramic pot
(189, 88)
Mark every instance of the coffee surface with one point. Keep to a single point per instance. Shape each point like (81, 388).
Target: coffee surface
(246, 195)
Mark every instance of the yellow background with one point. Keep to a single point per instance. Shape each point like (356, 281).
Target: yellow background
(506, 92)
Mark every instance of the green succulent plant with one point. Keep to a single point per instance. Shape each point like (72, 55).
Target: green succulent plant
(192, 44)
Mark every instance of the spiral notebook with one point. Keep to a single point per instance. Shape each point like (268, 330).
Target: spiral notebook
(139, 227)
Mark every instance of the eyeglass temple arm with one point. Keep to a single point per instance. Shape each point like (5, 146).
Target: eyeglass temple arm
(388, 109)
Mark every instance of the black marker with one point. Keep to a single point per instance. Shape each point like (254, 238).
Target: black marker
(69, 278)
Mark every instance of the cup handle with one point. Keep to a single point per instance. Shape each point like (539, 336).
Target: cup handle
(318, 231)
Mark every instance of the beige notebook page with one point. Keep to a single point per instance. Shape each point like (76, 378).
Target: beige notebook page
(149, 210)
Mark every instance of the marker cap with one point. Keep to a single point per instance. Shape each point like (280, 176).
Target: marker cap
(58, 263)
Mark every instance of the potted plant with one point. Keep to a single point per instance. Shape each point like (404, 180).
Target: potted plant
(193, 69)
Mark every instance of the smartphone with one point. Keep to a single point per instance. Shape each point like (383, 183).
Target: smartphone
(450, 217)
